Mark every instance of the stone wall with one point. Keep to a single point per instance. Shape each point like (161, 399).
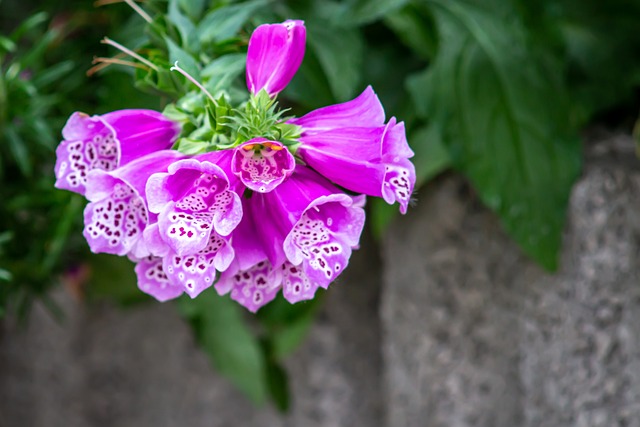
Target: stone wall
(452, 327)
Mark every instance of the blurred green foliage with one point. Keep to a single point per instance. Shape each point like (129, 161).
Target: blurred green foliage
(496, 89)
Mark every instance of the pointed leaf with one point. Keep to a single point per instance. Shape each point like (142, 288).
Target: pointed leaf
(503, 117)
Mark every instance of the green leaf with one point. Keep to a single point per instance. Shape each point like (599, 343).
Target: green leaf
(340, 53)
(193, 8)
(288, 324)
(6, 45)
(225, 22)
(503, 116)
(18, 148)
(221, 72)
(185, 27)
(52, 74)
(29, 24)
(71, 212)
(185, 60)
(365, 11)
(222, 333)
(415, 27)
(278, 385)
(5, 275)
(431, 155)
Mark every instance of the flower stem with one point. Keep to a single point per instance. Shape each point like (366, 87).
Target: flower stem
(177, 68)
(129, 52)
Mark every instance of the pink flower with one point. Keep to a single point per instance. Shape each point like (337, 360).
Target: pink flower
(350, 145)
(297, 238)
(275, 52)
(117, 215)
(107, 142)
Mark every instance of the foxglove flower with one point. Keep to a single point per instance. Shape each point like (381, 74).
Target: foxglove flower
(251, 279)
(363, 111)
(261, 164)
(117, 213)
(191, 273)
(198, 206)
(305, 231)
(274, 54)
(350, 145)
(193, 199)
(152, 279)
(107, 142)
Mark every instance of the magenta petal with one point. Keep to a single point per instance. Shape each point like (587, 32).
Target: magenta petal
(400, 173)
(296, 286)
(89, 144)
(262, 165)
(274, 55)
(323, 237)
(363, 111)
(192, 200)
(372, 161)
(197, 271)
(153, 281)
(107, 142)
(141, 132)
(117, 214)
(254, 287)
(276, 213)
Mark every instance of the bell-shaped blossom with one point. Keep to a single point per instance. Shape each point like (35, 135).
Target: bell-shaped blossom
(351, 146)
(191, 273)
(298, 237)
(274, 55)
(194, 199)
(107, 142)
(261, 164)
(154, 281)
(117, 214)
(362, 111)
(251, 279)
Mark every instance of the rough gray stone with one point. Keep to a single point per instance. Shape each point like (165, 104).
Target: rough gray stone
(476, 335)
(140, 367)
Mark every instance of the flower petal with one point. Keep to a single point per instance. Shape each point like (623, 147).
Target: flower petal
(256, 286)
(153, 281)
(262, 165)
(296, 286)
(197, 271)
(117, 214)
(141, 132)
(274, 55)
(193, 199)
(107, 142)
(372, 161)
(363, 111)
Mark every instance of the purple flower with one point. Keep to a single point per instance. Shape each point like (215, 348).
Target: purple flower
(191, 273)
(152, 279)
(107, 142)
(297, 237)
(350, 145)
(363, 111)
(251, 279)
(117, 213)
(275, 52)
(261, 164)
(193, 199)
(198, 206)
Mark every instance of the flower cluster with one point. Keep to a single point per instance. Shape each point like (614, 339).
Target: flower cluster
(264, 212)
